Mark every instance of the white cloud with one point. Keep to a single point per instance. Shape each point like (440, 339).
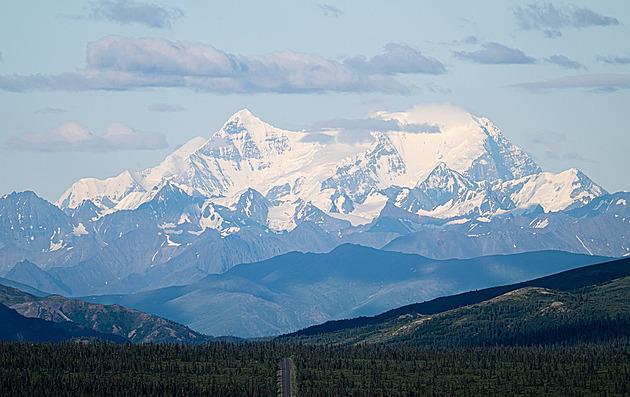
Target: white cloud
(397, 59)
(551, 140)
(377, 124)
(551, 18)
(125, 12)
(553, 143)
(73, 137)
(596, 82)
(619, 60)
(330, 11)
(49, 109)
(495, 53)
(164, 107)
(565, 62)
(319, 138)
(160, 57)
(123, 63)
(471, 40)
(358, 130)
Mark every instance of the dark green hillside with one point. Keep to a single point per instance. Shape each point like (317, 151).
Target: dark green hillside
(527, 316)
(565, 281)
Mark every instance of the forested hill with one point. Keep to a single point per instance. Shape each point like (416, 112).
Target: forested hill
(545, 310)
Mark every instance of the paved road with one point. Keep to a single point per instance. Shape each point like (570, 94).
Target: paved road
(285, 380)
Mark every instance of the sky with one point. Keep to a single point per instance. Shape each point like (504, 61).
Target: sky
(93, 88)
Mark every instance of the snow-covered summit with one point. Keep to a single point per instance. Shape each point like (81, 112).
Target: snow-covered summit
(439, 159)
(246, 136)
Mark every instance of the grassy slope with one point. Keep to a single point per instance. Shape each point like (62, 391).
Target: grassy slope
(552, 307)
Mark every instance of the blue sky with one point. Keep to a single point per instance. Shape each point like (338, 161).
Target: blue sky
(91, 88)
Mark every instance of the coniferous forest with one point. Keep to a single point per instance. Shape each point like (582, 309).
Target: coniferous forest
(249, 369)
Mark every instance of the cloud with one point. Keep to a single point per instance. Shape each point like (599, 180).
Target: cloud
(123, 63)
(354, 131)
(330, 11)
(565, 62)
(397, 59)
(595, 82)
(576, 156)
(552, 34)
(551, 140)
(375, 124)
(569, 156)
(471, 40)
(620, 60)
(552, 155)
(550, 18)
(126, 12)
(318, 137)
(164, 107)
(73, 137)
(48, 110)
(437, 89)
(495, 53)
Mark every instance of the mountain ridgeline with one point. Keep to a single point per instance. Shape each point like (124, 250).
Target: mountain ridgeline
(435, 182)
(296, 290)
(580, 306)
(54, 318)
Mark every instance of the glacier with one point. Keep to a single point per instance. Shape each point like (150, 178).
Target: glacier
(466, 168)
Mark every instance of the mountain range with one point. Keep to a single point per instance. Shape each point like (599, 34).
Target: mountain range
(459, 165)
(296, 290)
(435, 181)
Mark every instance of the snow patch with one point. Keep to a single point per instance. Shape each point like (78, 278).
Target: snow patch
(541, 224)
(56, 246)
(581, 242)
(459, 221)
(169, 242)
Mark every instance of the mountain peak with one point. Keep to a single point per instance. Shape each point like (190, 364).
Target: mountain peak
(243, 119)
(443, 176)
(245, 136)
(243, 114)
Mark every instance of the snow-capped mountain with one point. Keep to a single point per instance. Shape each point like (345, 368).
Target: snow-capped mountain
(437, 181)
(440, 162)
(434, 181)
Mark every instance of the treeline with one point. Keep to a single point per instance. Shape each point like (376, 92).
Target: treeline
(104, 369)
(249, 369)
(385, 370)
